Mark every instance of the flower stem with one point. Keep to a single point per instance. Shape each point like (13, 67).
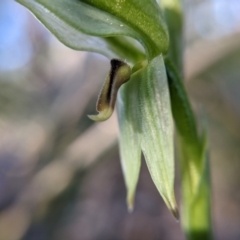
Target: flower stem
(193, 155)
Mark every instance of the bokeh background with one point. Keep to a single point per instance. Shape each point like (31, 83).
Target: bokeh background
(60, 175)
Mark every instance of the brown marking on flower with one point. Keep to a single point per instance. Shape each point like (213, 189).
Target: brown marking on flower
(120, 73)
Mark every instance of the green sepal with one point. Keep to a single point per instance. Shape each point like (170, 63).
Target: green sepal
(145, 117)
(144, 18)
(94, 25)
(129, 139)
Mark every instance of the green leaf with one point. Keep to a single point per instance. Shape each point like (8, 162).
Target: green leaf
(145, 118)
(72, 21)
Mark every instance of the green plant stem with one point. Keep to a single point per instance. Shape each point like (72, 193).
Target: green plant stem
(172, 10)
(193, 156)
(194, 164)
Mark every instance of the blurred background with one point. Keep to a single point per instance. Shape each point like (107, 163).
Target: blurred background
(60, 175)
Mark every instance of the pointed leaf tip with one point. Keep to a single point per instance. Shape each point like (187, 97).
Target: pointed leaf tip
(172, 205)
(175, 213)
(130, 202)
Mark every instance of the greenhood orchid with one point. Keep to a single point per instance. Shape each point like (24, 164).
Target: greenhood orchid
(143, 40)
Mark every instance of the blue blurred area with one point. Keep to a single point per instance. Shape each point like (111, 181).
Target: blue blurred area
(227, 13)
(15, 45)
(216, 18)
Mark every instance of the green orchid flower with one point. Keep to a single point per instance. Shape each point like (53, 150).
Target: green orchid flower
(144, 109)
(146, 87)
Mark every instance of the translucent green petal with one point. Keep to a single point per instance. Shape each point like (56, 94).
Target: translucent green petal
(130, 151)
(157, 129)
(145, 119)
